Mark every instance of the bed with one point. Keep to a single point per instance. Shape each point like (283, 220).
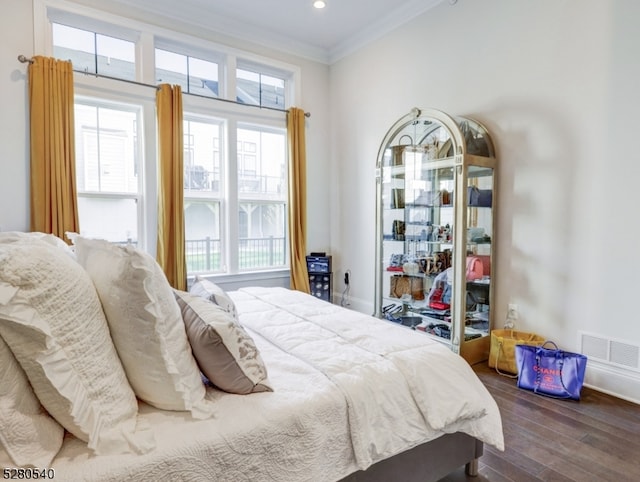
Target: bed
(347, 397)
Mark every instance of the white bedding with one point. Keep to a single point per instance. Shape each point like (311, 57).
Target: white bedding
(349, 390)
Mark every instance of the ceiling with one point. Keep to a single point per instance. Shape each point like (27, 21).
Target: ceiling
(294, 26)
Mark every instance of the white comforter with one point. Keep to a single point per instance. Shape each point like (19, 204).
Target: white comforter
(349, 390)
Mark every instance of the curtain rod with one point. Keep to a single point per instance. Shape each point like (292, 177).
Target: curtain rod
(26, 60)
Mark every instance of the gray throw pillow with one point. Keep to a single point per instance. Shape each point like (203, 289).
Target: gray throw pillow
(225, 352)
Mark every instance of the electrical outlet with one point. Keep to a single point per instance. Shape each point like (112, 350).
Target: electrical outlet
(513, 311)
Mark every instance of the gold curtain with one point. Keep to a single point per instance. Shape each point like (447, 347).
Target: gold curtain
(171, 238)
(297, 199)
(54, 207)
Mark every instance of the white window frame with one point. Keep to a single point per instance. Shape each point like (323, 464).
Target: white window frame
(147, 211)
(147, 37)
(223, 196)
(137, 196)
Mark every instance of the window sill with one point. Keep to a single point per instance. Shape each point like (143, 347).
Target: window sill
(229, 282)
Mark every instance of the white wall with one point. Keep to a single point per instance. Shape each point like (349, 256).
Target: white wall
(556, 84)
(16, 37)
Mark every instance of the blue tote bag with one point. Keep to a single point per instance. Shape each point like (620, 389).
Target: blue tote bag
(550, 371)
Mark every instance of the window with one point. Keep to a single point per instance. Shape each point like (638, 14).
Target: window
(93, 52)
(259, 89)
(235, 180)
(108, 170)
(195, 76)
(203, 189)
(262, 194)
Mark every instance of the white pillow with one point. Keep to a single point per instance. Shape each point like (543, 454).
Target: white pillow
(52, 320)
(226, 353)
(204, 288)
(146, 326)
(23, 237)
(28, 434)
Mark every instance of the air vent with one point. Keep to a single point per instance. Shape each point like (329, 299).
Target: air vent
(595, 347)
(624, 354)
(611, 351)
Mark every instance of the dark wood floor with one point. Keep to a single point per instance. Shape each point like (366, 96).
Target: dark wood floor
(595, 439)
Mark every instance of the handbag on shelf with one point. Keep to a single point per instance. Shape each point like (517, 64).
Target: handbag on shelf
(396, 262)
(502, 350)
(550, 371)
(476, 144)
(479, 197)
(398, 229)
(407, 285)
(440, 294)
(433, 198)
(436, 302)
(397, 152)
(441, 261)
(475, 269)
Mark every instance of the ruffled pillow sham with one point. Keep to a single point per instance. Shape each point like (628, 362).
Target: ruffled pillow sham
(52, 319)
(146, 326)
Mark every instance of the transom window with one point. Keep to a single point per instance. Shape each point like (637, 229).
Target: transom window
(94, 53)
(260, 89)
(194, 75)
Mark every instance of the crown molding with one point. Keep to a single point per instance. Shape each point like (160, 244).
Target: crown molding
(231, 28)
(379, 29)
(190, 15)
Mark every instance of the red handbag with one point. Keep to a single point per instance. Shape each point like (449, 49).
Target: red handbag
(436, 300)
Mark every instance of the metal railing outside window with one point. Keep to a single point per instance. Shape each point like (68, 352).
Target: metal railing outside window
(204, 255)
(261, 252)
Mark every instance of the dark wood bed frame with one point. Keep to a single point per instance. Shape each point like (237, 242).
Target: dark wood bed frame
(427, 462)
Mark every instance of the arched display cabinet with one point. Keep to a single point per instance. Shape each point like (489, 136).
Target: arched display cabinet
(436, 200)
